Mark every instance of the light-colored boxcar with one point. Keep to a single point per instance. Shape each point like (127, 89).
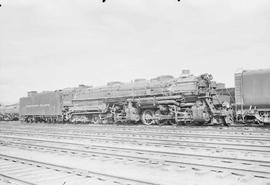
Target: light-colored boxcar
(252, 95)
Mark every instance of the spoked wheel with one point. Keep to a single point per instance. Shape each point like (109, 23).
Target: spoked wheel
(148, 117)
(159, 122)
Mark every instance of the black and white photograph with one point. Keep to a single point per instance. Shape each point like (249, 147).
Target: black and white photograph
(134, 92)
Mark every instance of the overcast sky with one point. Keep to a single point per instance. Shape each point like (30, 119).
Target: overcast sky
(53, 44)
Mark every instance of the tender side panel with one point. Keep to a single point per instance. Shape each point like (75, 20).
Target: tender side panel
(45, 104)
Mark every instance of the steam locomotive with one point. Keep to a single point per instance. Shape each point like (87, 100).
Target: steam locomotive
(162, 100)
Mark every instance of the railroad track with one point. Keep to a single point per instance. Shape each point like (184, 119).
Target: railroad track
(232, 127)
(153, 141)
(185, 131)
(206, 134)
(242, 134)
(155, 129)
(166, 129)
(7, 180)
(187, 149)
(199, 151)
(24, 171)
(255, 168)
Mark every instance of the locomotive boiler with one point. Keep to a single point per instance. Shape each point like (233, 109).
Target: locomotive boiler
(162, 100)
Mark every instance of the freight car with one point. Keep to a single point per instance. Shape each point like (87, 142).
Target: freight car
(252, 95)
(162, 100)
(9, 112)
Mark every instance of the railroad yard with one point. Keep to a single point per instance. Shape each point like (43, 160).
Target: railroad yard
(134, 92)
(132, 154)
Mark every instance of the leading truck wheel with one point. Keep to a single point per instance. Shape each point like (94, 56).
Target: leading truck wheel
(148, 117)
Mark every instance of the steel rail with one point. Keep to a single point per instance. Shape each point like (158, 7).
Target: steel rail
(135, 139)
(16, 180)
(140, 151)
(138, 127)
(179, 135)
(75, 171)
(234, 171)
(206, 133)
(121, 148)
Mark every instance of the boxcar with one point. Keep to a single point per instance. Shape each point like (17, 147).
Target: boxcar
(252, 95)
